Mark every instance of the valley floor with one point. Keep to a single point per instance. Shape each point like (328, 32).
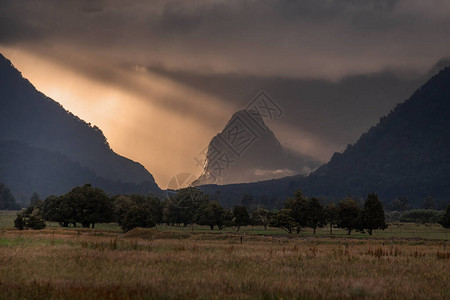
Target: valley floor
(175, 263)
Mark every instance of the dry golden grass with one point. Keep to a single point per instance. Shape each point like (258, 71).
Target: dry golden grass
(148, 264)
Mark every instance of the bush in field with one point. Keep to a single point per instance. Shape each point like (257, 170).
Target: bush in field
(372, 215)
(445, 219)
(19, 221)
(35, 220)
(284, 220)
(30, 218)
(421, 216)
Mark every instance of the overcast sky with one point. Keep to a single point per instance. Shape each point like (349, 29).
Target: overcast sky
(162, 77)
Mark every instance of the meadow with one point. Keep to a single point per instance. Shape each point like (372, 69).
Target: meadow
(406, 261)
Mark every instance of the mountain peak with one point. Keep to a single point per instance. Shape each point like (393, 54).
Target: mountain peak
(247, 150)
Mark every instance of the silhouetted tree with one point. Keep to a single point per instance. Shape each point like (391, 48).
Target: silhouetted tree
(261, 216)
(212, 214)
(184, 205)
(138, 216)
(331, 214)
(121, 205)
(241, 217)
(348, 212)
(83, 204)
(284, 220)
(316, 215)
(91, 205)
(156, 206)
(372, 215)
(299, 209)
(59, 209)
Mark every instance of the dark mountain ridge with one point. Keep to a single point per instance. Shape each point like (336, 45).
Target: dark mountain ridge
(406, 154)
(34, 120)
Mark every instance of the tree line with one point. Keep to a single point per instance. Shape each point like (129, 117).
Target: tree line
(87, 206)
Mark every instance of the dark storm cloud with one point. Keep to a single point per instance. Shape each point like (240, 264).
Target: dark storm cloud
(336, 66)
(311, 38)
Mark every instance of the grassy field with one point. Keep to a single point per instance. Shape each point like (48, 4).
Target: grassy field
(178, 263)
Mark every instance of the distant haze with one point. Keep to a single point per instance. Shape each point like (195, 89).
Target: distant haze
(161, 79)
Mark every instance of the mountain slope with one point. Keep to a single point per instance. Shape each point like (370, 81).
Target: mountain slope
(247, 150)
(406, 154)
(29, 117)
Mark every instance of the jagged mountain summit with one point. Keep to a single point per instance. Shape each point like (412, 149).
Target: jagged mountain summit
(247, 150)
(30, 120)
(407, 154)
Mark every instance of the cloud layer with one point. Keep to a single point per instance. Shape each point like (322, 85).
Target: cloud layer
(283, 38)
(162, 77)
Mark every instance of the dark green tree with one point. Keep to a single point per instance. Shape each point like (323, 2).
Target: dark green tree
(212, 214)
(284, 220)
(299, 209)
(348, 212)
(183, 206)
(315, 214)
(91, 205)
(445, 220)
(262, 217)
(59, 209)
(121, 205)
(331, 214)
(19, 221)
(138, 216)
(241, 216)
(227, 220)
(156, 206)
(35, 220)
(372, 215)
(30, 218)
